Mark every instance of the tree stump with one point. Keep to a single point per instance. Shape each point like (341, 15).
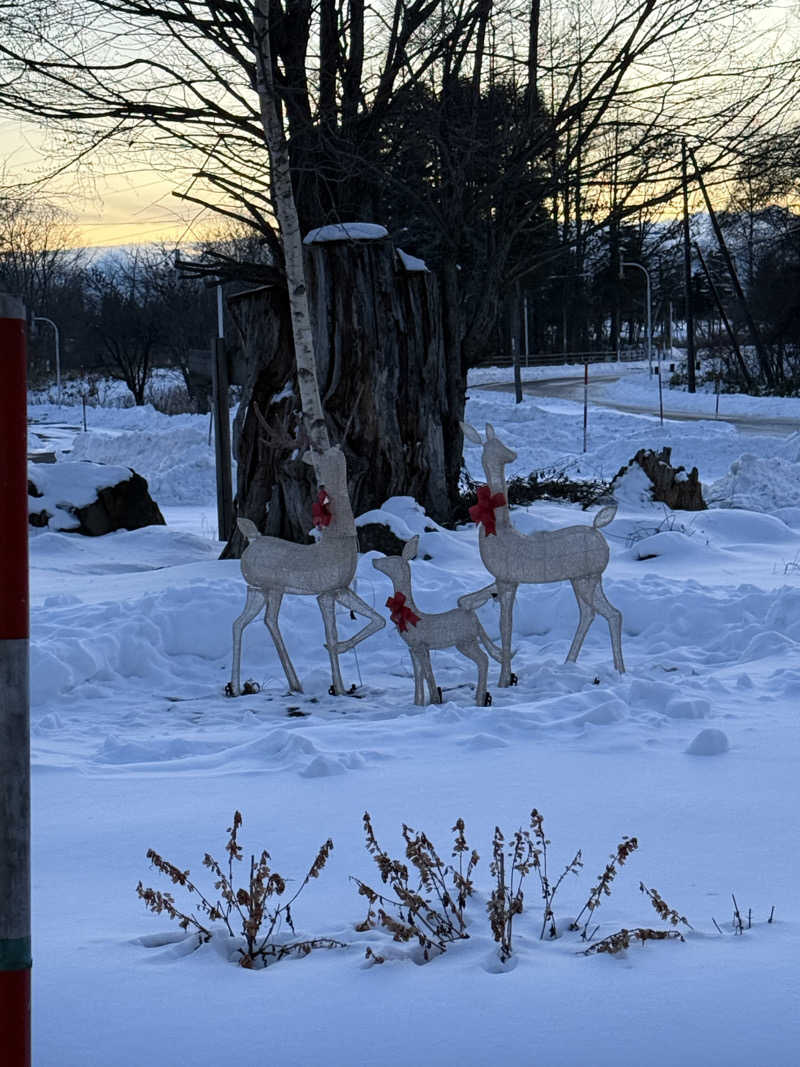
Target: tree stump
(382, 379)
(670, 485)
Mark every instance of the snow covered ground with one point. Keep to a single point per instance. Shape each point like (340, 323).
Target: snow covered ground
(135, 747)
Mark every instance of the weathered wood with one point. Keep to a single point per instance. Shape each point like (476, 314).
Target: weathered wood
(670, 485)
(382, 378)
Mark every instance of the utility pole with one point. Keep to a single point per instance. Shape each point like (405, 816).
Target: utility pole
(15, 885)
(726, 321)
(687, 273)
(763, 356)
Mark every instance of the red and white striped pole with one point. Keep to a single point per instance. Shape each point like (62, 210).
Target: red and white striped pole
(15, 906)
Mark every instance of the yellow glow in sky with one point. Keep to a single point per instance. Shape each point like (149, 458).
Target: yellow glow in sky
(109, 207)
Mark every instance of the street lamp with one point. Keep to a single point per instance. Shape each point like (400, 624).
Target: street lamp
(41, 318)
(644, 270)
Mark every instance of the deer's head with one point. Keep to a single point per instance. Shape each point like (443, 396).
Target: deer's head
(396, 567)
(495, 455)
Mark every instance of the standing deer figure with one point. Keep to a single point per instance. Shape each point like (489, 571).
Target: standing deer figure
(272, 567)
(459, 628)
(575, 553)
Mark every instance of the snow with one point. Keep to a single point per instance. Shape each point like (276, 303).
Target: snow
(412, 264)
(346, 231)
(67, 485)
(134, 746)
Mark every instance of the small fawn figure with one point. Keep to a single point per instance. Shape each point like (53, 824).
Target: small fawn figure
(459, 628)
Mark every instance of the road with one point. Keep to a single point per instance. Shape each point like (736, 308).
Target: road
(572, 389)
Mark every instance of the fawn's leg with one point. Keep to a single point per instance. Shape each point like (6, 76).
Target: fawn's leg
(613, 617)
(472, 650)
(584, 589)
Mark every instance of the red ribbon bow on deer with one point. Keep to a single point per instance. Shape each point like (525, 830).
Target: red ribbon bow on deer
(401, 615)
(320, 512)
(483, 511)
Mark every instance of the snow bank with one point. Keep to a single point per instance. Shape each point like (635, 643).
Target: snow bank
(757, 483)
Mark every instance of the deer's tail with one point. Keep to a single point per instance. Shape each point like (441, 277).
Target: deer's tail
(248, 529)
(605, 515)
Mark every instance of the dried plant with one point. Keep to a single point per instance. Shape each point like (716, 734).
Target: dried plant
(247, 908)
(549, 889)
(510, 870)
(429, 897)
(621, 940)
(625, 848)
(665, 912)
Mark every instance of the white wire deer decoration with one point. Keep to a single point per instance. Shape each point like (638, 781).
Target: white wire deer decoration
(459, 628)
(578, 554)
(273, 567)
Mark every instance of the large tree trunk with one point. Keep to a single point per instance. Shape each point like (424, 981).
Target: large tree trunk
(381, 369)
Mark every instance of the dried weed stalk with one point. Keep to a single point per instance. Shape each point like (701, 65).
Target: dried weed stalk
(665, 912)
(625, 848)
(429, 896)
(621, 940)
(549, 889)
(510, 869)
(247, 908)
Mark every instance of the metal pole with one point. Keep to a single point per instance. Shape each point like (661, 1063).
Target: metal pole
(41, 318)
(15, 893)
(646, 273)
(525, 312)
(585, 402)
(222, 429)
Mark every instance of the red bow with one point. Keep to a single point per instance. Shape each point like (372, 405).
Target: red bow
(401, 615)
(320, 512)
(483, 511)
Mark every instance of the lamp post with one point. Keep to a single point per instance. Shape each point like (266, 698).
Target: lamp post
(41, 318)
(644, 270)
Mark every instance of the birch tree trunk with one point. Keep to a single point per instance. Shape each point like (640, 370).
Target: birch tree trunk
(286, 213)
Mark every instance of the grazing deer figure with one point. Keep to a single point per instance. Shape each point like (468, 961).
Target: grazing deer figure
(575, 553)
(459, 628)
(272, 567)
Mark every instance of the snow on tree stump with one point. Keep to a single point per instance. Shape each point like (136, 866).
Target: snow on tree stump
(89, 498)
(670, 485)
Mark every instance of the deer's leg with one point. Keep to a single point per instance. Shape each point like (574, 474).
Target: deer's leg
(252, 606)
(327, 606)
(419, 678)
(613, 617)
(472, 650)
(271, 621)
(584, 589)
(427, 670)
(506, 594)
(348, 599)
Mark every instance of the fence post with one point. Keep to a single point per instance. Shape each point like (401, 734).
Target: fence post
(15, 908)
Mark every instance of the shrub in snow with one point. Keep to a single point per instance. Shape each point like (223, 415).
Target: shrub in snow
(428, 900)
(244, 912)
